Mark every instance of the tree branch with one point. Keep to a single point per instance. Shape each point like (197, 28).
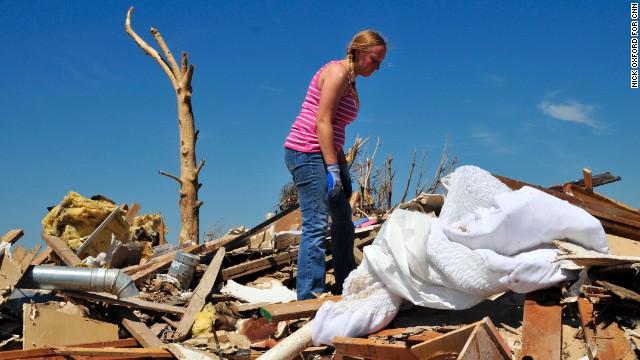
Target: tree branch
(148, 49)
(165, 49)
(171, 176)
(406, 189)
(199, 168)
(189, 76)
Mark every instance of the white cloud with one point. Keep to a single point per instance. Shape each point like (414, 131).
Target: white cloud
(493, 79)
(572, 111)
(492, 143)
(269, 88)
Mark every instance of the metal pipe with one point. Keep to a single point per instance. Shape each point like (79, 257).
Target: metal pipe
(113, 281)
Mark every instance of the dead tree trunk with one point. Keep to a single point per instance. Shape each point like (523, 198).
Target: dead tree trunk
(181, 80)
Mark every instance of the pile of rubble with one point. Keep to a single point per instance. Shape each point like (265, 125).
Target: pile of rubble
(109, 286)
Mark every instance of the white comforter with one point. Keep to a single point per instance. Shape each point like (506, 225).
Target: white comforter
(487, 240)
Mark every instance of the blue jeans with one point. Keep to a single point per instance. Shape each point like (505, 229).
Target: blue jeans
(310, 178)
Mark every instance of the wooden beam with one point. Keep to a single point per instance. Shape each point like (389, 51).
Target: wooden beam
(588, 181)
(25, 354)
(372, 349)
(597, 180)
(61, 249)
(140, 273)
(120, 343)
(261, 264)
(486, 343)
(282, 221)
(294, 310)
(132, 213)
(12, 236)
(603, 337)
(18, 253)
(480, 340)
(151, 271)
(28, 258)
(542, 325)
(49, 353)
(130, 302)
(137, 329)
(42, 257)
(579, 192)
(11, 271)
(199, 297)
(113, 352)
(405, 334)
(449, 344)
(358, 255)
(161, 240)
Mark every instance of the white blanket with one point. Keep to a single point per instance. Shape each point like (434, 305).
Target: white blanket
(487, 240)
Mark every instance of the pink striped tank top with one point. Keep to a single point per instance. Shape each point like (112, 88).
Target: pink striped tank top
(303, 136)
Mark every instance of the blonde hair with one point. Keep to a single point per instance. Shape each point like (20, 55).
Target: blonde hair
(364, 41)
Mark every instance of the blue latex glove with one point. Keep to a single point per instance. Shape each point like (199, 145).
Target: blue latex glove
(333, 180)
(345, 176)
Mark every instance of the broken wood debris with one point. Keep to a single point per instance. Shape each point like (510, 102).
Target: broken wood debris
(158, 323)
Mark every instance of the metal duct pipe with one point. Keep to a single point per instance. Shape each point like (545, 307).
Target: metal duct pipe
(113, 281)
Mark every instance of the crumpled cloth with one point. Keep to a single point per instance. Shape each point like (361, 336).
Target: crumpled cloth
(487, 240)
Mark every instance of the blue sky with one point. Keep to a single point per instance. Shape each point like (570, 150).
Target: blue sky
(534, 90)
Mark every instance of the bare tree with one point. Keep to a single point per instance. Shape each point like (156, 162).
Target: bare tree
(181, 80)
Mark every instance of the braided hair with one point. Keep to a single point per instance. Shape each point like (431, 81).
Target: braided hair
(364, 40)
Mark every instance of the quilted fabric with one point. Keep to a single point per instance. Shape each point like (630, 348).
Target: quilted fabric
(487, 240)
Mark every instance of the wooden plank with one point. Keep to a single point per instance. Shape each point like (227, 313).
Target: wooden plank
(588, 181)
(449, 344)
(120, 343)
(284, 220)
(11, 271)
(130, 302)
(598, 180)
(61, 249)
(542, 326)
(482, 345)
(584, 257)
(12, 236)
(294, 310)
(207, 247)
(18, 253)
(9, 277)
(112, 351)
(137, 329)
(406, 334)
(24, 354)
(579, 192)
(142, 276)
(28, 258)
(497, 339)
(43, 256)
(261, 264)
(132, 213)
(358, 255)
(161, 240)
(603, 337)
(49, 353)
(621, 292)
(199, 297)
(372, 349)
